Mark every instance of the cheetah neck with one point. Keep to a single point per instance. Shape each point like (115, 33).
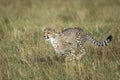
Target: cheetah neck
(55, 41)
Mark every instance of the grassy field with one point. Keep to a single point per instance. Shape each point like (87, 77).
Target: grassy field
(24, 55)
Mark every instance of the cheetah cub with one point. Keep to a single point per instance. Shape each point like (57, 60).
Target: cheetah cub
(70, 42)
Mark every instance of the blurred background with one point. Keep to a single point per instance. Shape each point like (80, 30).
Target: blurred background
(24, 55)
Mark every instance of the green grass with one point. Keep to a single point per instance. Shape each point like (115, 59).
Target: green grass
(24, 55)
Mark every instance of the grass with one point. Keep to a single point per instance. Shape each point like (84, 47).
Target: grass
(24, 55)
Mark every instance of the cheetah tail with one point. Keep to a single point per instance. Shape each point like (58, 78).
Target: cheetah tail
(100, 43)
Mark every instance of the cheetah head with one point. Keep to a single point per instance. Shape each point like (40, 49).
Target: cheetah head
(48, 33)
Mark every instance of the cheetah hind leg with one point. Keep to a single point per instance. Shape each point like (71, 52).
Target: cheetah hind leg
(80, 53)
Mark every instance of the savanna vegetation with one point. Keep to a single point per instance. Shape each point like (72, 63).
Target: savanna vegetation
(25, 55)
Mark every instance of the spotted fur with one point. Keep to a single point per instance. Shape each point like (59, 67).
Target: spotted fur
(70, 41)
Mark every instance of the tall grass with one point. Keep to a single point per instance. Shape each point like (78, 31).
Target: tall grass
(24, 55)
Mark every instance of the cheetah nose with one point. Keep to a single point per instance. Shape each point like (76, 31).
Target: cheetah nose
(46, 37)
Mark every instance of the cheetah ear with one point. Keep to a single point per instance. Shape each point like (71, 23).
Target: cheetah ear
(59, 29)
(55, 30)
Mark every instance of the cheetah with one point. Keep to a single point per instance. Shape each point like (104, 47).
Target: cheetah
(70, 41)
